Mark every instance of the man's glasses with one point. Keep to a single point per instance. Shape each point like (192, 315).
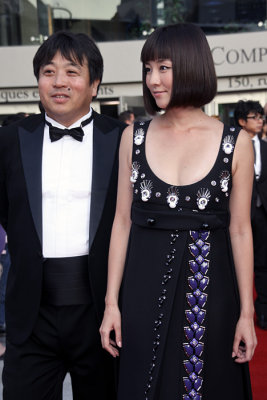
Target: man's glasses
(257, 117)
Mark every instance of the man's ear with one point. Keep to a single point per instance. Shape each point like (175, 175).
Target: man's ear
(242, 122)
(95, 86)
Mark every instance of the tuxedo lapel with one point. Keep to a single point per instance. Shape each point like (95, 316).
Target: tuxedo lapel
(104, 149)
(31, 144)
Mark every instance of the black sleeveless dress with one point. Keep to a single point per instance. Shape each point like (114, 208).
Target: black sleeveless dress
(180, 301)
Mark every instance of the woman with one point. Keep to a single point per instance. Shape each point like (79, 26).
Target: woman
(183, 233)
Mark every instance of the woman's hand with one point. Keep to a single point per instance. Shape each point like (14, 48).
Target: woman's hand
(245, 340)
(111, 321)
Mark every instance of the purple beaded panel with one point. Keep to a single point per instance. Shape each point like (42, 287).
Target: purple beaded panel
(195, 315)
(167, 275)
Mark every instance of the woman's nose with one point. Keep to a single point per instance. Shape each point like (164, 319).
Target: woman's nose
(154, 77)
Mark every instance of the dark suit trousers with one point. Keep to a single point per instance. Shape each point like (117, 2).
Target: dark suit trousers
(65, 339)
(259, 228)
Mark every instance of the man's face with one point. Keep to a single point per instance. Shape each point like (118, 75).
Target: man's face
(253, 123)
(65, 91)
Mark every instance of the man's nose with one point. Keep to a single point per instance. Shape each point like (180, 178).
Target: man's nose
(60, 79)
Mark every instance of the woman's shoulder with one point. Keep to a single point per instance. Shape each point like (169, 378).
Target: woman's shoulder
(243, 140)
(243, 154)
(126, 144)
(213, 124)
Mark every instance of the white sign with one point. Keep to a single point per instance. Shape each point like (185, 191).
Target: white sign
(24, 95)
(239, 54)
(241, 83)
(21, 95)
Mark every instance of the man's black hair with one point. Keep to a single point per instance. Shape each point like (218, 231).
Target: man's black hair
(77, 47)
(125, 115)
(243, 108)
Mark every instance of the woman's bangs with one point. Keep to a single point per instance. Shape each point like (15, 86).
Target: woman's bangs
(156, 49)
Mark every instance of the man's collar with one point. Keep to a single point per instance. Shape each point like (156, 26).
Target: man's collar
(256, 138)
(74, 125)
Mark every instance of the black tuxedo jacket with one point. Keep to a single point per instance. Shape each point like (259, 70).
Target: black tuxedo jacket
(21, 215)
(260, 186)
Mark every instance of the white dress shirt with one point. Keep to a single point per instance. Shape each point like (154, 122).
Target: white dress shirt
(257, 161)
(66, 192)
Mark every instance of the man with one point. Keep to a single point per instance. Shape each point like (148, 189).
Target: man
(249, 116)
(57, 201)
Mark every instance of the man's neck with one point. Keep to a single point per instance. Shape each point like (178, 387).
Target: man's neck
(69, 123)
(252, 134)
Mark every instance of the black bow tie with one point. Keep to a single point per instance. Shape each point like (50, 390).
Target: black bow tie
(77, 133)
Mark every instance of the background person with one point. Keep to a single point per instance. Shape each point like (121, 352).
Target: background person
(249, 115)
(127, 117)
(5, 263)
(187, 307)
(263, 135)
(58, 192)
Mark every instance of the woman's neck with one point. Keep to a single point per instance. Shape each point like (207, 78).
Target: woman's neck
(183, 117)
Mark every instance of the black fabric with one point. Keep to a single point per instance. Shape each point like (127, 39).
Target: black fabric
(21, 215)
(175, 232)
(58, 133)
(36, 370)
(160, 219)
(66, 281)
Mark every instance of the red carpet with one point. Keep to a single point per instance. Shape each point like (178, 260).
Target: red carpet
(258, 367)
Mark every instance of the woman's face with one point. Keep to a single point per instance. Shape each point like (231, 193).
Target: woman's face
(159, 78)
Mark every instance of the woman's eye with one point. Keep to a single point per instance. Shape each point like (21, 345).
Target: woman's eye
(164, 67)
(147, 69)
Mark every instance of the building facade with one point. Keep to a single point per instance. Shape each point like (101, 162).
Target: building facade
(236, 31)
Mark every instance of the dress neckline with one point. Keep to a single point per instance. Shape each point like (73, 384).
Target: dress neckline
(190, 184)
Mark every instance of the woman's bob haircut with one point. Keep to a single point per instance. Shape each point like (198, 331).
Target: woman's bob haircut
(194, 77)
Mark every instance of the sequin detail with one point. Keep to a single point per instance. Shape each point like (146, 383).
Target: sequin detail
(224, 180)
(172, 196)
(160, 318)
(146, 190)
(203, 196)
(228, 144)
(135, 171)
(139, 136)
(195, 315)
